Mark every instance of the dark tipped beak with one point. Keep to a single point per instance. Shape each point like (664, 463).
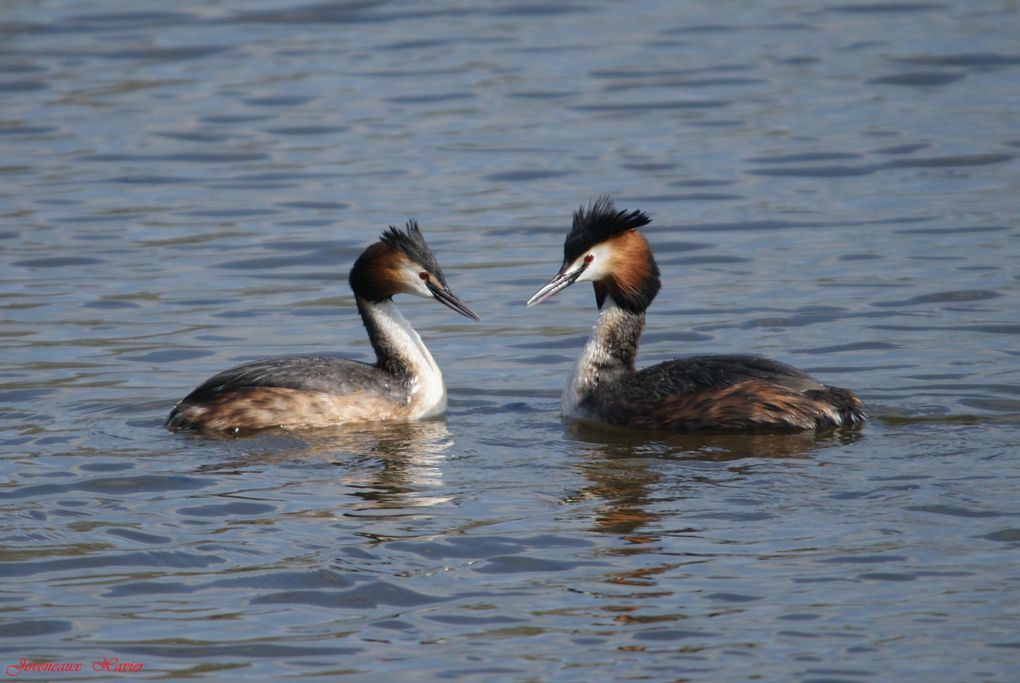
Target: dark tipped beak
(448, 298)
(555, 286)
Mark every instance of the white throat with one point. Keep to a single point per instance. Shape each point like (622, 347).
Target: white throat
(607, 358)
(427, 396)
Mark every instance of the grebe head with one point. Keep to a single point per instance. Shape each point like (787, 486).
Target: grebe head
(402, 263)
(605, 248)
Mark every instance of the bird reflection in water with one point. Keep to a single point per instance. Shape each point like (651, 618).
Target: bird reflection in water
(634, 476)
(385, 465)
(621, 466)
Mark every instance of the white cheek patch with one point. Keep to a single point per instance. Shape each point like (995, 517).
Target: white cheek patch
(410, 275)
(599, 266)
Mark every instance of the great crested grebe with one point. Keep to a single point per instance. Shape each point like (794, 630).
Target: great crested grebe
(308, 392)
(714, 392)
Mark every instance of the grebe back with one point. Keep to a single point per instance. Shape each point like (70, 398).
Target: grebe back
(310, 392)
(727, 392)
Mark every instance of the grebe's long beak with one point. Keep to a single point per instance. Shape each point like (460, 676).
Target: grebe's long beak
(448, 298)
(556, 285)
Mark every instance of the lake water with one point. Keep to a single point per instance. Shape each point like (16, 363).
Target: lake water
(184, 187)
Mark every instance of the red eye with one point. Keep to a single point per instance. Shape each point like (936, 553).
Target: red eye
(588, 259)
(423, 275)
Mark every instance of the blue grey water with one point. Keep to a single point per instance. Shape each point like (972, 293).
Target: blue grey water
(183, 186)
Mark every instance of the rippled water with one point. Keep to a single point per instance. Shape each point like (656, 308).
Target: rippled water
(832, 184)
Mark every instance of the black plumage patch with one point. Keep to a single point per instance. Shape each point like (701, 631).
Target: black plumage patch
(598, 223)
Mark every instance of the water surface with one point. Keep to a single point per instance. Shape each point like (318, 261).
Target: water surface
(833, 185)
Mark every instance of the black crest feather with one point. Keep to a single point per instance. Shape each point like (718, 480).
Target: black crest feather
(412, 243)
(600, 221)
(368, 274)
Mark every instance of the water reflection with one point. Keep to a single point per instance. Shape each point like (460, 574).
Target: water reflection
(717, 447)
(624, 469)
(385, 465)
(667, 497)
(622, 483)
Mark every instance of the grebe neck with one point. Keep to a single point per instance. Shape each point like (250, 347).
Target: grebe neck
(398, 348)
(609, 355)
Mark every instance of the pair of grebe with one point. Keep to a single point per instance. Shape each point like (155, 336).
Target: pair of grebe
(604, 247)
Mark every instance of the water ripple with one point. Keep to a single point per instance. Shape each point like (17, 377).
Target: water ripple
(370, 595)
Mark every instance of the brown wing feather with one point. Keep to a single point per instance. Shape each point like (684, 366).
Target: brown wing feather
(749, 405)
(254, 408)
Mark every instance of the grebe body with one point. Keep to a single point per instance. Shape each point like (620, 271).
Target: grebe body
(712, 392)
(298, 392)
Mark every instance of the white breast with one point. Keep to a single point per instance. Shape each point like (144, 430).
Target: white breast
(428, 391)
